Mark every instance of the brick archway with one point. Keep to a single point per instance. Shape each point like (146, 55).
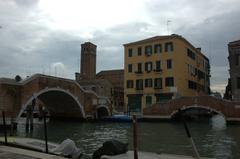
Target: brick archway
(229, 109)
(185, 108)
(48, 90)
(102, 110)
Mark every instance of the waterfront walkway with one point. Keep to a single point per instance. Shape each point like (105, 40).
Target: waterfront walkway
(7, 152)
(150, 155)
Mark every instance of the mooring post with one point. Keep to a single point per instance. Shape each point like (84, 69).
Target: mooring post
(135, 137)
(12, 127)
(4, 127)
(32, 114)
(45, 131)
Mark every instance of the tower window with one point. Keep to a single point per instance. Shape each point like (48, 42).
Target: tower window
(139, 69)
(169, 81)
(129, 83)
(237, 59)
(157, 48)
(139, 51)
(148, 100)
(238, 82)
(158, 83)
(169, 64)
(148, 82)
(148, 50)
(191, 54)
(139, 84)
(192, 85)
(148, 66)
(158, 66)
(168, 47)
(130, 52)
(129, 68)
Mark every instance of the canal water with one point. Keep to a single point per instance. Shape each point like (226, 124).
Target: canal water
(213, 138)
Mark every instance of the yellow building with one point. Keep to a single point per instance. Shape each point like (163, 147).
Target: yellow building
(163, 68)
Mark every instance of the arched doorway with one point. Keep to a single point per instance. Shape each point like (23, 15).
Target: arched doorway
(102, 112)
(59, 102)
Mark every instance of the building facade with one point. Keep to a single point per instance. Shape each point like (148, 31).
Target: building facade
(234, 62)
(163, 68)
(87, 76)
(107, 83)
(115, 77)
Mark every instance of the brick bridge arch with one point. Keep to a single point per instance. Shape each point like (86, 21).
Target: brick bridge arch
(102, 111)
(78, 111)
(38, 85)
(185, 108)
(229, 109)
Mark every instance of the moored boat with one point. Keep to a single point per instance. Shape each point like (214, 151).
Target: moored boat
(37, 117)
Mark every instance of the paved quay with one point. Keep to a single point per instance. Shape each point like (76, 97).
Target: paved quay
(7, 152)
(150, 155)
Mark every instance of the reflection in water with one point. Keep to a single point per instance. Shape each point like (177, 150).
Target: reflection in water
(217, 137)
(87, 136)
(218, 122)
(212, 140)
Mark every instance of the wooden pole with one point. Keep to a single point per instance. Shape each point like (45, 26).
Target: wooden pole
(4, 127)
(45, 131)
(135, 137)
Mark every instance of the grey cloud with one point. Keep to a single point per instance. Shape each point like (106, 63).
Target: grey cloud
(26, 3)
(213, 36)
(28, 45)
(110, 43)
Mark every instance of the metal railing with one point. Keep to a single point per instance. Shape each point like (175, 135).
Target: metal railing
(6, 137)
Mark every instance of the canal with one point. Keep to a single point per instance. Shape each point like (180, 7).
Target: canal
(213, 138)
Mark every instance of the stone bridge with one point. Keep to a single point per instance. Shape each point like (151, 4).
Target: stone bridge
(228, 109)
(62, 97)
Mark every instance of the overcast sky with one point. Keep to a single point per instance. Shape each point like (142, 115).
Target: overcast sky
(44, 36)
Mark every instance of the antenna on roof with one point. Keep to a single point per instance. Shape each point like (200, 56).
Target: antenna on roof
(168, 24)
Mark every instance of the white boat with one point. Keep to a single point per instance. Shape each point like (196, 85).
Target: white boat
(36, 118)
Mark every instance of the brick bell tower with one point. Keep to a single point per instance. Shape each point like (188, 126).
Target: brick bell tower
(88, 61)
